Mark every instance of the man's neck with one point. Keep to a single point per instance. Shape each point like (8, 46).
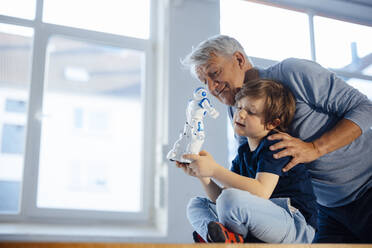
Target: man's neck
(251, 74)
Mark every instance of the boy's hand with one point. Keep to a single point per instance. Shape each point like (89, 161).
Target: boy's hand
(186, 168)
(203, 165)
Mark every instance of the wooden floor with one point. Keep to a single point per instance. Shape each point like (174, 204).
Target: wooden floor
(130, 245)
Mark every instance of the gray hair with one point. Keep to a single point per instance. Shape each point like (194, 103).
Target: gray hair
(219, 45)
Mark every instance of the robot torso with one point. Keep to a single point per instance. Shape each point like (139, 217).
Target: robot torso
(195, 110)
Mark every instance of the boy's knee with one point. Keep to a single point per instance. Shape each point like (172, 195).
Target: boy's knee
(228, 199)
(231, 200)
(197, 202)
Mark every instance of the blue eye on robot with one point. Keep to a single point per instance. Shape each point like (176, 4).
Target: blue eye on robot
(192, 138)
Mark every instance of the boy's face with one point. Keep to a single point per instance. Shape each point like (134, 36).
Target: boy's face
(249, 118)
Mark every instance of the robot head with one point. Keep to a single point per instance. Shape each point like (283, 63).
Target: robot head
(200, 93)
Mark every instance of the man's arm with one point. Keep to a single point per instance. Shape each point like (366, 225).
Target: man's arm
(341, 135)
(323, 90)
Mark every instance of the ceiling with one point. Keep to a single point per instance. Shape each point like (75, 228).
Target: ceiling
(367, 3)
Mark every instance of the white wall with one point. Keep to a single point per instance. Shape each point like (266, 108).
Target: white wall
(191, 21)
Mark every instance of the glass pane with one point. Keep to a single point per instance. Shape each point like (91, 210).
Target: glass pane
(264, 31)
(18, 8)
(15, 69)
(111, 16)
(364, 86)
(12, 140)
(343, 45)
(92, 130)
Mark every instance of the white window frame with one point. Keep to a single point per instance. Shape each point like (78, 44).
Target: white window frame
(312, 9)
(29, 213)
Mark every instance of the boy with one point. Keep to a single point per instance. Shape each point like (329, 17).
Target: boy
(258, 202)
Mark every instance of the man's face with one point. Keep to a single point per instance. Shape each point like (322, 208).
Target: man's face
(224, 76)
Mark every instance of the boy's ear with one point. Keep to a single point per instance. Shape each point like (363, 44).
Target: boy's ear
(273, 124)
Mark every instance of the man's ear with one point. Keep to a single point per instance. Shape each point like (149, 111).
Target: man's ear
(240, 58)
(273, 124)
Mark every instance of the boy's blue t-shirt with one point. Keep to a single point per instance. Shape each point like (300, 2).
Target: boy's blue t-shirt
(294, 184)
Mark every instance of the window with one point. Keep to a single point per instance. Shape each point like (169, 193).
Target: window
(16, 106)
(12, 140)
(112, 16)
(75, 98)
(15, 70)
(346, 48)
(18, 8)
(348, 51)
(252, 24)
(101, 158)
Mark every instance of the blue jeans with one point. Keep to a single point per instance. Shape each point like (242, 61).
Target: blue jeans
(271, 221)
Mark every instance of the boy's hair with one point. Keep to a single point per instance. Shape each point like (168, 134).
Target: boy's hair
(279, 100)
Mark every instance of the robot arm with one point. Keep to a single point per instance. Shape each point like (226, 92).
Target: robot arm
(208, 107)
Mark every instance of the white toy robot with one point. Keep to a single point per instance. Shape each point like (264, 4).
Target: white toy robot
(192, 137)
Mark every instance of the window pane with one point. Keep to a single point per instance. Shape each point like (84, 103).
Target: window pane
(15, 106)
(343, 45)
(364, 86)
(92, 131)
(18, 8)
(130, 18)
(15, 68)
(265, 31)
(12, 140)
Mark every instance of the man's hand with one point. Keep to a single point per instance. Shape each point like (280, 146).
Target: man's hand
(302, 152)
(203, 165)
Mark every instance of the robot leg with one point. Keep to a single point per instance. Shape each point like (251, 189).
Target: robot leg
(180, 147)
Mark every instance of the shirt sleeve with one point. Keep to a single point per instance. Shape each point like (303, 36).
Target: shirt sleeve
(235, 165)
(328, 93)
(266, 161)
(238, 163)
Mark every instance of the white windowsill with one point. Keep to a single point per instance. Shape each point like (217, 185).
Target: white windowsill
(83, 233)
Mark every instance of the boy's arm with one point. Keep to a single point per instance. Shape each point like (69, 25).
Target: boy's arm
(203, 165)
(263, 185)
(211, 188)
